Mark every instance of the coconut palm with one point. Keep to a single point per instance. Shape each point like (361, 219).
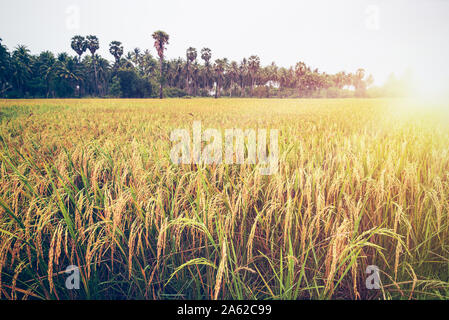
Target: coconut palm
(219, 67)
(69, 70)
(147, 64)
(191, 55)
(243, 72)
(22, 61)
(206, 55)
(253, 67)
(233, 74)
(103, 68)
(5, 68)
(45, 66)
(300, 73)
(136, 56)
(359, 83)
(160, 41)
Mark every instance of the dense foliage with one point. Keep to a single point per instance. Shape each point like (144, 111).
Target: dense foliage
(139, 74)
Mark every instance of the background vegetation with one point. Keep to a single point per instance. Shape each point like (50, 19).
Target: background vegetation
(139, 74)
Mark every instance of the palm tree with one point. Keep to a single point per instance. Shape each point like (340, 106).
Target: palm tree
(68, 69)
(79, 45)
(93, 45)
(233, 73)
(243, 71)
(5, 68)
(103, 73)
(116, 49)
(136, 56)
(359, 83)
(220, 67)
(191, 55)
(22, 61)
(272, 74)
(300, 72)
(46, 67)
(206, 55)
(160, 41)
(253, 67)
(147, 64)
(195, 75)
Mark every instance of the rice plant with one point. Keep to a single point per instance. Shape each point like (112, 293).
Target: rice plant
(90, 183)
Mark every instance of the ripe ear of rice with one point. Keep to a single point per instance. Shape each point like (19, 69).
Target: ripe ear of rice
(90, 183)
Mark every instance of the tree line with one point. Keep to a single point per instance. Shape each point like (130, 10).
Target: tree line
(140, 74)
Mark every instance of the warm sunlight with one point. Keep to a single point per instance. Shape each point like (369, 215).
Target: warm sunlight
(430, 83)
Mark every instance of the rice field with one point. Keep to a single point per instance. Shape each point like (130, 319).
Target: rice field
(90, 183)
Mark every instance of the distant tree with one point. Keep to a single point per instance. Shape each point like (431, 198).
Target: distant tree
(300, 73)
(69, 74)
(93, 45)
(160, 41)
(253, 67)
(103, 71)
(191, 55)
(147, 64)
(45, 69)
(220, 67)
(25, 75)
(79, 45)
(22, 62)
(195, 67)
(243, 70)
(359, 83)
(116, 49)
(206, 55)
(136, 56)
(5, 69)
(233, 74)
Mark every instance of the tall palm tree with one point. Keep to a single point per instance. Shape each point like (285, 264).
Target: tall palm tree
(22, 61)
(136, 56)
(253, 67)
(206, 55)
(79, 45)
(68, 69)
(147, 63)
(300, 73)
(46, 67)
(160, 41)
(93, 45)
(103, 73)
(116, 49)
(233, 75)
(5, 68)
(359, 83)
(191, 55)
(195, 75)
(220, 67)
(243, 71)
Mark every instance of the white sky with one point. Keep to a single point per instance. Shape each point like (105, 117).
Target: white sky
(380, 36)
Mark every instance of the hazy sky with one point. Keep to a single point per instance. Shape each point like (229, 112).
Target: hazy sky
(380, 36)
